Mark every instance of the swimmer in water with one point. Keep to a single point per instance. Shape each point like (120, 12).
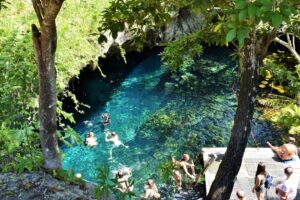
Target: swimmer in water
(115, 140)
(91, 140)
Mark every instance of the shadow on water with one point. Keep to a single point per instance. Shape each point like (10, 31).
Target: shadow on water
(156, 124)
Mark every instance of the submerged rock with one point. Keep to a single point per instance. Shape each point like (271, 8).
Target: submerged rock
(39, 185)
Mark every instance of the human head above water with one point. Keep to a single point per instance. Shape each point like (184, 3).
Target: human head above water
(113, 134)
(185, 157)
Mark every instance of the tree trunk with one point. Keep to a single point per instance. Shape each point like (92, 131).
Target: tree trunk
(223, 184)
(45, 46)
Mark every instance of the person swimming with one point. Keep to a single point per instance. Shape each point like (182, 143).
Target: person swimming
(90, 140)
(114, 138)
(286, 152)
(183, 169)
(106, 119)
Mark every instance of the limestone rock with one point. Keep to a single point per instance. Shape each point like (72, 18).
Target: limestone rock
(39, 185)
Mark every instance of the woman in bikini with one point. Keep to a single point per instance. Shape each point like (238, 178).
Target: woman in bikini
(122, 178)
(151, 190)
(260, 177)
(182, 169)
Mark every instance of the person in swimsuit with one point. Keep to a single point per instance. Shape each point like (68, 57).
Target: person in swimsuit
(151, 190)
(115, 140)
(122, 178)
(288, 189)
(182, 169)
(90, 140)
(260, 176)
(105, 120)
(286, 151)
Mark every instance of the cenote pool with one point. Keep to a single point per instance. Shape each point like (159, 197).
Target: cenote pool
(159, 116)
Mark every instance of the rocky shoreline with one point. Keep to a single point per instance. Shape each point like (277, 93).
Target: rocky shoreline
(40, 185)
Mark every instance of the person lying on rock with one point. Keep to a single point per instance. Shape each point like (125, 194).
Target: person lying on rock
(182, 169)
(90, 140)
(286, 152)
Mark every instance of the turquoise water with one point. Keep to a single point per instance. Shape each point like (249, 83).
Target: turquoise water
(158, 123)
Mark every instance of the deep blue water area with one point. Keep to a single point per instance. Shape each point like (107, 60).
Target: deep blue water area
(158, 115)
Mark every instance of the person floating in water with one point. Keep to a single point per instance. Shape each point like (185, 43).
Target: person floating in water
(122, 178)
(151, 191)
(90, 140)
(114, 138)
(286, 152)
(106, 119)
(182, 168)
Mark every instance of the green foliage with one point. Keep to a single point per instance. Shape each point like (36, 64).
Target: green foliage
(69, 136)
(77, 46)
(105, 185)
(3, 4)
(182, 46)
(20, 150)
(281, 74)
(67, 176)
(165, 172)
(138, 17)
(289, 118)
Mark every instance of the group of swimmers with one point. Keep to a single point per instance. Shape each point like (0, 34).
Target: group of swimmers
(286, 190)
(123, 175)
(91, 140)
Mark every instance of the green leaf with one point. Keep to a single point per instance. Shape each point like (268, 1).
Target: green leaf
(276, 19)
(242, 34)
(240, 5)
(252, 9)
(231, 35)
(242, 15)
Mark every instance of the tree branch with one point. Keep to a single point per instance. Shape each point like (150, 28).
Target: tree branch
(289, 47)
(288, 39)
(38, 10)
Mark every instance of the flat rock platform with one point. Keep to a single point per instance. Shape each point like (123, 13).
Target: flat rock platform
(245, 178)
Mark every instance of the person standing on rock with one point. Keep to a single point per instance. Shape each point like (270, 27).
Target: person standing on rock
(182, 169)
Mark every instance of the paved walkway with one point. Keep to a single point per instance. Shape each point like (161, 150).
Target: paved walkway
(245, 178)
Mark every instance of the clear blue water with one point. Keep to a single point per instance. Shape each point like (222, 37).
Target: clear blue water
(157, 124)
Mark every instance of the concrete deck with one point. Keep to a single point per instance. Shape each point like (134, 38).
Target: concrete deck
(245, 178)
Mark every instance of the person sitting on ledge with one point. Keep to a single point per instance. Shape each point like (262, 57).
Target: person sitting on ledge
(286, 152)
(183, 167)
(122, 178)
(151, 191)
(90, 140)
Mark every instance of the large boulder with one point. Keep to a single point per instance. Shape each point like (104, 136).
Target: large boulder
(183, 23)
(39, 185)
